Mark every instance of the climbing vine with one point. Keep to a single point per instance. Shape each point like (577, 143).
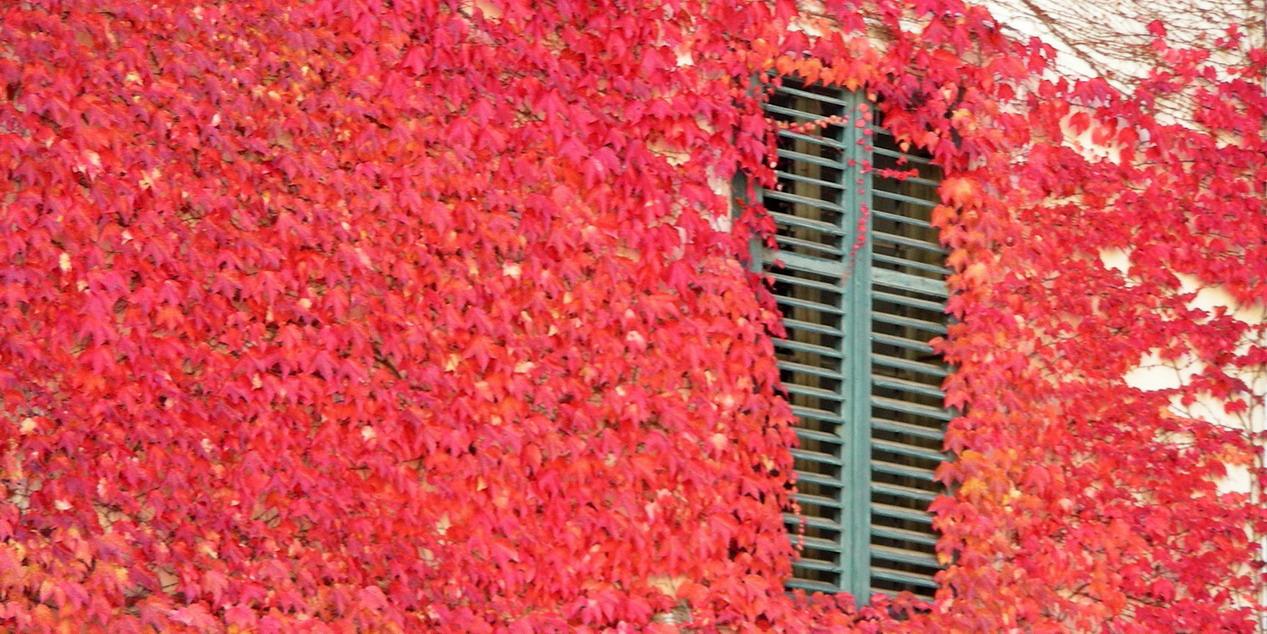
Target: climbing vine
(406, 314)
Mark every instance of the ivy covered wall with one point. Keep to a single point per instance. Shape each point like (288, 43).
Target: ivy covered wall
(391, 315)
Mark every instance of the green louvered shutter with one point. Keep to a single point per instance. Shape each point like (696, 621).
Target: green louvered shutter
(908, 417)
(856, 365)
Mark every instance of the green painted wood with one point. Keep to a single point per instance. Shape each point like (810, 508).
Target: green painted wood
(928, 369)
(807, 179)
(739, 193)
(806, 325)
(843, 101)
(917, 266)
(829, 268)
(809, 347)
(810, 158)
(895, 154)
(920, 324)
(858, 328)
(907, 242)
(884, 424)
(905, 199)
(818, 140)
(803, 200)
(809, 290)
(899, 218)
(908, 286)
(911, 515)
(916, 537)
(912, 282)
(816, 225)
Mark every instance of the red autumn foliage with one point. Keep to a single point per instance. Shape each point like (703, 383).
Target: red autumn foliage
(404, 314)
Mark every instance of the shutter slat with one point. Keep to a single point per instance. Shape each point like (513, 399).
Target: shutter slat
(817, 414)
(896, 279)
(915, 180)
(910, 322)
(910, 158)
(814, 522)
(911, 264)
(906, 386)
(811, 370)
(909, 450)
(804, 303)
(795, 114)
(807, 283)
(817, 564)
(892, 468)
(909, 301)
(903, 198)
(805, 476)
(789, 241)
(813, 542)
(906, 364)
(808, 223)
(796, 92)
(816, 456)
(819, 140)
(796, 324)
(802, 200)
(897, 512)
(903, 534)
(881, 236)
(805, 390)
(909, 578)
(806, 179)
(899, 218)
(805, 498)
(897, 490)
(914, 557)
(810, 158)
(818, 266)
(884, 424)
(902, 342)
(912, 408)
(801, 346)
(797, 583)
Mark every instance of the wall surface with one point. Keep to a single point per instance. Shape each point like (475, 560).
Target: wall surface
(1111, 40)
(1105, 39)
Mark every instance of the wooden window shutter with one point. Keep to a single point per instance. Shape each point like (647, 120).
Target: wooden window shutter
(859, 373)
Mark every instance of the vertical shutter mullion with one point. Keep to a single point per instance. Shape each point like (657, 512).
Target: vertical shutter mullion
(856, 366)
(739, 186)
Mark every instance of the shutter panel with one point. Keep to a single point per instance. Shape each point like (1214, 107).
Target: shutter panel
(855, 361)
(812, 210)
(908, 301)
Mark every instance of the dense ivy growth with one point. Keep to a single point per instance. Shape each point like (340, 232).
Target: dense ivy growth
(404, 314)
